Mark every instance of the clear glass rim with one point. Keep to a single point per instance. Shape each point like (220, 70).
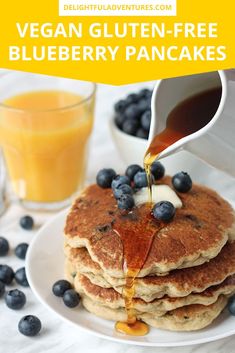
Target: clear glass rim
(64, 108)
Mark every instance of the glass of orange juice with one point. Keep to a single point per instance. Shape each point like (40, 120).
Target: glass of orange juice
(45, 125)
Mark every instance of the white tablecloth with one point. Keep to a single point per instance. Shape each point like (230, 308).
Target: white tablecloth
(56, 335)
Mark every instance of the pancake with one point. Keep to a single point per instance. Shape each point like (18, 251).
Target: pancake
(110, 298)
(177, 283)
(70, 271)
(188, 318)
(197, 234)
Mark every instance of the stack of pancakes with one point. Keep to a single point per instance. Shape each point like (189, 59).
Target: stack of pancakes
(189, 273)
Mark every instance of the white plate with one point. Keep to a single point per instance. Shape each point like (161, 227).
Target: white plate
(45, 265)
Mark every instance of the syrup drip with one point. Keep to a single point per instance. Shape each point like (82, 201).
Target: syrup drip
(139, 328)
(147, 167)
(136, 229)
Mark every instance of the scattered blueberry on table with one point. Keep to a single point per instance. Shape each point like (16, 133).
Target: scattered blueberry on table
(6, 274)
(27, 222)
(60, 287)
(4, 246)
(21, 250)
(29, 325)
(164, 211)
(15, 299)
(133, 114)
(20, 277)
(182, 182)
(71, 298)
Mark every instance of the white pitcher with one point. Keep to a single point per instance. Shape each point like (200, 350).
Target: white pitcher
(215, 142)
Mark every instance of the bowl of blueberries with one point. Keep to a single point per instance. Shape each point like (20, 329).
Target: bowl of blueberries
(130, 125)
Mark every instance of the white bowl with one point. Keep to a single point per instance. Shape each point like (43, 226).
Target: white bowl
(132, 150)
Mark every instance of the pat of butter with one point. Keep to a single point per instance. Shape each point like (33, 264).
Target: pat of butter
(159, 193)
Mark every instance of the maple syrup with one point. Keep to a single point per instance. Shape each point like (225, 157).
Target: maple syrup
(137, 228)
(186, 118)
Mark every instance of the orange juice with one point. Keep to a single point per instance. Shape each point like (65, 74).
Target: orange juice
(44, 135)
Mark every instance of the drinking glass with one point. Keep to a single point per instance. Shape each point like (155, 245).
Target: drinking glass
(45, 125)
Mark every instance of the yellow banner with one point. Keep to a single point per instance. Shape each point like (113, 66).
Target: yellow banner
(188, 37)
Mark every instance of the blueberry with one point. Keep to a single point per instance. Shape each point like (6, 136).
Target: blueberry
(119, 120)
(231, 305)
(157, 170)
(29, 325)
(130, 127)
(149, 101)
(60, 287)
(132, 112)
(6, 274)
(21, 250)
(164, 211)
(104, 177)
(122, 189)
(132, 98)
(143, 105)
(120, 106)
(132, 170)
(120, 180)
(2, 288)
(141, 133)
(140, 180)
(15, 299)
(146, 120)
(145, 93)
(126, 202)
(182, 182)
(20, 277)
(4, 246)
(27, 222)
(71, 298)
